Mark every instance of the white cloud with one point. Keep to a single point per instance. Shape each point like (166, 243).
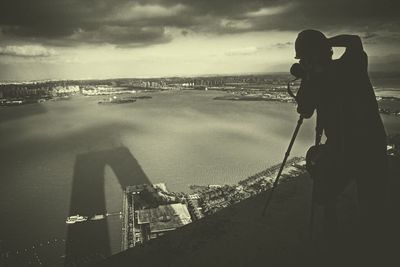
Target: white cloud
(135, 11)
(268, 11)
(242, 51)
(236, 24)
(27, 51)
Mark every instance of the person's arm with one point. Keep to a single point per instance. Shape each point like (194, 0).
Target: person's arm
(306, 99)
(354, 57)
(351, 42)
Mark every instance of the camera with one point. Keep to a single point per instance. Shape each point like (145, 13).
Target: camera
(298, 71)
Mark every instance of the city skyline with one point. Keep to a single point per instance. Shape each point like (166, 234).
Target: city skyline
(124, 39)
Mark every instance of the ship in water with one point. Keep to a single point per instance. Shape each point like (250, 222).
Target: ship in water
(97, 217)
(117, 100)
(76, 219)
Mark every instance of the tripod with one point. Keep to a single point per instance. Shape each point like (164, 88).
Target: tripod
(319, 132)
(299, 122)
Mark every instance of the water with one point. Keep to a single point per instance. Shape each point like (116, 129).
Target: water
(75, 156)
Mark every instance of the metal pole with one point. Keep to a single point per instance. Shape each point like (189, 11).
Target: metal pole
(275, 184)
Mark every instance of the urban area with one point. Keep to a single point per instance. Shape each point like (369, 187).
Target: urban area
(150, 210)
(268, 87)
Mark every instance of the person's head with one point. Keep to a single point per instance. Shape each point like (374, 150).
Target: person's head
(313, 50)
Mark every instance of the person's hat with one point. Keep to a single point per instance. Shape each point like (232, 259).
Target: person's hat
(311, 42)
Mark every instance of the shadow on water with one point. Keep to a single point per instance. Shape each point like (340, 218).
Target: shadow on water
(90, 240)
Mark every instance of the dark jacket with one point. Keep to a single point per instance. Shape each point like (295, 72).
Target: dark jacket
(346, 105)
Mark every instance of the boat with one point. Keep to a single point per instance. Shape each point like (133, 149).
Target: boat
(76, 218)
(97, 217)
(116, 100)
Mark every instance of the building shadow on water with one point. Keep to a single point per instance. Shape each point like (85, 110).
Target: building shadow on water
(90, 240)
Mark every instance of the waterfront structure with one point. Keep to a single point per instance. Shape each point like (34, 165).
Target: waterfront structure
(150, 210)
(164, 218)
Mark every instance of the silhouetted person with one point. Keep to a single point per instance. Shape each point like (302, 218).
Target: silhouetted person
(341, 93)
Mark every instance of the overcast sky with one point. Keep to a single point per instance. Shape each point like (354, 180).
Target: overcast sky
(74, 39)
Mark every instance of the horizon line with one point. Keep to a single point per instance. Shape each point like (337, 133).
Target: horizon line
(172, 76)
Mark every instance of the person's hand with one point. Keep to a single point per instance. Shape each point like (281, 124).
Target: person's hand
(306, 99)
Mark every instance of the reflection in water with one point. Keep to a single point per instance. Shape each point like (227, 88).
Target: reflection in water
(90, 240)
(16, 112)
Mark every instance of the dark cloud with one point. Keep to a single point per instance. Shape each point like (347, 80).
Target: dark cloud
(123, 35)
(369, 35)
(385, 63)
(144, 22)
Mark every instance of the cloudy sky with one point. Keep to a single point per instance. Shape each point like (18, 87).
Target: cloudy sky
(75, 39)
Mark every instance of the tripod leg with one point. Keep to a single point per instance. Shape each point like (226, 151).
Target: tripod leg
(275, 184)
